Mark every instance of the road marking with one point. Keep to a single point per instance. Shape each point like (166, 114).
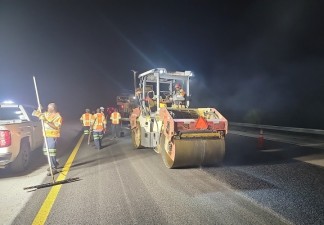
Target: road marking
(315, 159)
(45, 209)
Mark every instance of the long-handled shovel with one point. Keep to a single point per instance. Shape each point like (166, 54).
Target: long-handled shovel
(48, 155)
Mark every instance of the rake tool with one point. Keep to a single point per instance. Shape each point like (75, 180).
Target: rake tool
(48, 155)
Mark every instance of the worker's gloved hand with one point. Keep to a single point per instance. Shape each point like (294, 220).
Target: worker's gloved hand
(36, 113)
(42, 117)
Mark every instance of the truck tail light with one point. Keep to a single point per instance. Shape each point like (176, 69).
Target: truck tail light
(5, 138)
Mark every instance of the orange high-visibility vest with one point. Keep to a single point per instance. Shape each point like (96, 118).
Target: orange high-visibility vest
(56, 119)
(98, 121)
(86, 119)
(115, 117)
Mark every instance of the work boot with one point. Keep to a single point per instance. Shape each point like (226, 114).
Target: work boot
(54, 172)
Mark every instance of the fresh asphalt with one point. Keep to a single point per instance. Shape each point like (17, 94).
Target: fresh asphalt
(119, 185)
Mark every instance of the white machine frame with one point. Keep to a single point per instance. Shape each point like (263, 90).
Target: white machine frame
(161, 75)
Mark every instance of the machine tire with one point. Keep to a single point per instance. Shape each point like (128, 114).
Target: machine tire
(136, 136)
(22, 161)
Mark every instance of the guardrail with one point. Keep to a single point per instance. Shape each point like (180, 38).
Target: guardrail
(269, 127)
(287, 129)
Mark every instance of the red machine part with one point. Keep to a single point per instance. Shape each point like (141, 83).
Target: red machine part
(191, 142)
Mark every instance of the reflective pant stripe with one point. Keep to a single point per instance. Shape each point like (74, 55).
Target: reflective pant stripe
(86, 129)
(52, 152)
(95, 136)
(51, 143)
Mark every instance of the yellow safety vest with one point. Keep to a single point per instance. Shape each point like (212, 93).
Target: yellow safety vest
(56, 119)
(115, 117)
(98, 121)
(86, 119)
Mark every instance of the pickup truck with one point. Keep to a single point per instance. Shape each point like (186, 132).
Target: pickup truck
(20, 133)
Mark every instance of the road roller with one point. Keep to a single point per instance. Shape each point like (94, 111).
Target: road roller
(163, 121)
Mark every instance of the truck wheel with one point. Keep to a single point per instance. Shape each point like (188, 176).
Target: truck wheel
(21, 162)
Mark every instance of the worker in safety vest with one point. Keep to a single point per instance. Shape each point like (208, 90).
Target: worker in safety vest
(102, 110)
(98, 127)
(179, 96)
(52, 126)
(85, 119)
(115, 121)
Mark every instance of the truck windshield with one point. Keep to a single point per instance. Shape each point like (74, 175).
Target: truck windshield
(11, 113)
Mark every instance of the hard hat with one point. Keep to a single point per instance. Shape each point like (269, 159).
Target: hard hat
(102, 108)
(87, 110)
(177, 85)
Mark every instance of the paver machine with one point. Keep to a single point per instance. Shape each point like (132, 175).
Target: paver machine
(163, 121)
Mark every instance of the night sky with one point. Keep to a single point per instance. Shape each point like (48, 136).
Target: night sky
(254, 61)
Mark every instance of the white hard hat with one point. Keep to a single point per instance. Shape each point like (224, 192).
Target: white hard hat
(102, 107)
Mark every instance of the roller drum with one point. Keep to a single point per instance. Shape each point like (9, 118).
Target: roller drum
(192, 152)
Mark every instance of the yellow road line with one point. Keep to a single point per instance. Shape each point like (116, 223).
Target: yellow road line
(45, 209)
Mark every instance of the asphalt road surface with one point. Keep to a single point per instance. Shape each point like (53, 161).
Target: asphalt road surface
(119, 185)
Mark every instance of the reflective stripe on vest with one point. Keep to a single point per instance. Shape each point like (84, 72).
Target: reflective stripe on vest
(52, 133)
(52, 152)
